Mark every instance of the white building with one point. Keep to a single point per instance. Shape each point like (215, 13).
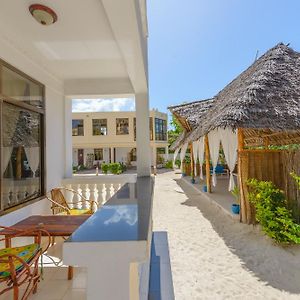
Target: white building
(70, 49)
(111, 137)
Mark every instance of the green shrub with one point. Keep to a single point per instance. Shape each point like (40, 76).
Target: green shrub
(272, 212)
(123, 167)
(296, 178)
(115, 168)
(169, 164)
(160, 159)
(187, 159)
(177, 163)
(104, 168)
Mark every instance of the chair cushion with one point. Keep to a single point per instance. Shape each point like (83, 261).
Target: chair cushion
(82, 211)
(77, 212)
(25, 252)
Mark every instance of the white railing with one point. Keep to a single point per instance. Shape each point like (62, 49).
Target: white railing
(96, 188)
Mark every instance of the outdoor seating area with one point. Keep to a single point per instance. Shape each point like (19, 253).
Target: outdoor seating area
(71, 212)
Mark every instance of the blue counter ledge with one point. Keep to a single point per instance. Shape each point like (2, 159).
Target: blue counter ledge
(124, 217)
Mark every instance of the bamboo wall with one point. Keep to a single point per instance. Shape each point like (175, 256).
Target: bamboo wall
(291, 163)
(268, 165)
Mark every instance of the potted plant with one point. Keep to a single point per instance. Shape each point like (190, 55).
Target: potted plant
(235, 207)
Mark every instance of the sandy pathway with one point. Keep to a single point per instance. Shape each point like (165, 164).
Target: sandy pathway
(213, 257)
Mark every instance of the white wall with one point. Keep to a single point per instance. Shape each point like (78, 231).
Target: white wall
(122, 154)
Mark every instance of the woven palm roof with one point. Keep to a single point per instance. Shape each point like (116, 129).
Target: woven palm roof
(189, 114)
(265, 99)
(179, 141)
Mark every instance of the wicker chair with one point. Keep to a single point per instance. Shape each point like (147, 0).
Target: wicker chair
(60, 206)
(19, 265)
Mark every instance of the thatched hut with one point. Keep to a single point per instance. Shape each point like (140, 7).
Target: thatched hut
(189, 116)
(259, 109)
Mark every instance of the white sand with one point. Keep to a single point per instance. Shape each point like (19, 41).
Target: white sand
(215, 257)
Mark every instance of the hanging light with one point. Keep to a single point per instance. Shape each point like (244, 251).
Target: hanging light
(43, 14)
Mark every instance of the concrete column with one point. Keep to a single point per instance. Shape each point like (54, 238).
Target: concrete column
(68, 138)
(112, 155)
(142, 135)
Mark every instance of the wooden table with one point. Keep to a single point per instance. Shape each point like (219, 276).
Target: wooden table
(55, 225)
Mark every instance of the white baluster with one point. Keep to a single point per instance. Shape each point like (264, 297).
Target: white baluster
(85, 193)
(99, 194)
(76, 197)
(111, 190)
(115, 188)
(107, 191)
(92, 191)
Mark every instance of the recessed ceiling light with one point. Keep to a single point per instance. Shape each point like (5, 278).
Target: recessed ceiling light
(43, 14)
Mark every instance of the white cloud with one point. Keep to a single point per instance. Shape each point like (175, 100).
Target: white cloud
(109, 104)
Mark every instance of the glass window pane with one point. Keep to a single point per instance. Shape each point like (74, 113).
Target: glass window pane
(122, 126)
(98, 153)
(21, 88)
(21, 159)
(99, 126)
(160, 129)
(77, 128)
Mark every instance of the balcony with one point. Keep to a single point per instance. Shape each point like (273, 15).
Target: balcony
(113, 245)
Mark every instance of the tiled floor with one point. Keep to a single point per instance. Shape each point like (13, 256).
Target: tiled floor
(55, 285)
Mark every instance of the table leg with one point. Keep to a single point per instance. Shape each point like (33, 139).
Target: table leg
(7, 242)
(70, 272)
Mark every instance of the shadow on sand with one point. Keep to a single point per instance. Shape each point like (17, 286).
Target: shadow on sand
(277, 266)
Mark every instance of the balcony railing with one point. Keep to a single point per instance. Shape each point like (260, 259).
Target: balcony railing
(97, 188)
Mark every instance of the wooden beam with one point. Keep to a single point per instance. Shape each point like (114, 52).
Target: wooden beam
(192, 161)
(241, 145)
(207, 164)
(241, 139)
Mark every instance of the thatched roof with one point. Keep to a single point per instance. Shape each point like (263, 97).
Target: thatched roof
(180, 140)
(189, 114)
(265, 98)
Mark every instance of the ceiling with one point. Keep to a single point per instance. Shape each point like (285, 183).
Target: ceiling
(81, 44)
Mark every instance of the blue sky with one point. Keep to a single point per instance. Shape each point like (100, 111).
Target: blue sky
(196, 47)
(107, 104)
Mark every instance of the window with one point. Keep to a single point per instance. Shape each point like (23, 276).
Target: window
(99, 127)
(122, 126)
(133, 154)
(161, 150)
(98, 154)
(77, 128)
(160, 130)
(150, 128)
(22, 138)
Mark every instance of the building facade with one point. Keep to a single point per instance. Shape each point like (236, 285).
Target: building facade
(99, 137)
